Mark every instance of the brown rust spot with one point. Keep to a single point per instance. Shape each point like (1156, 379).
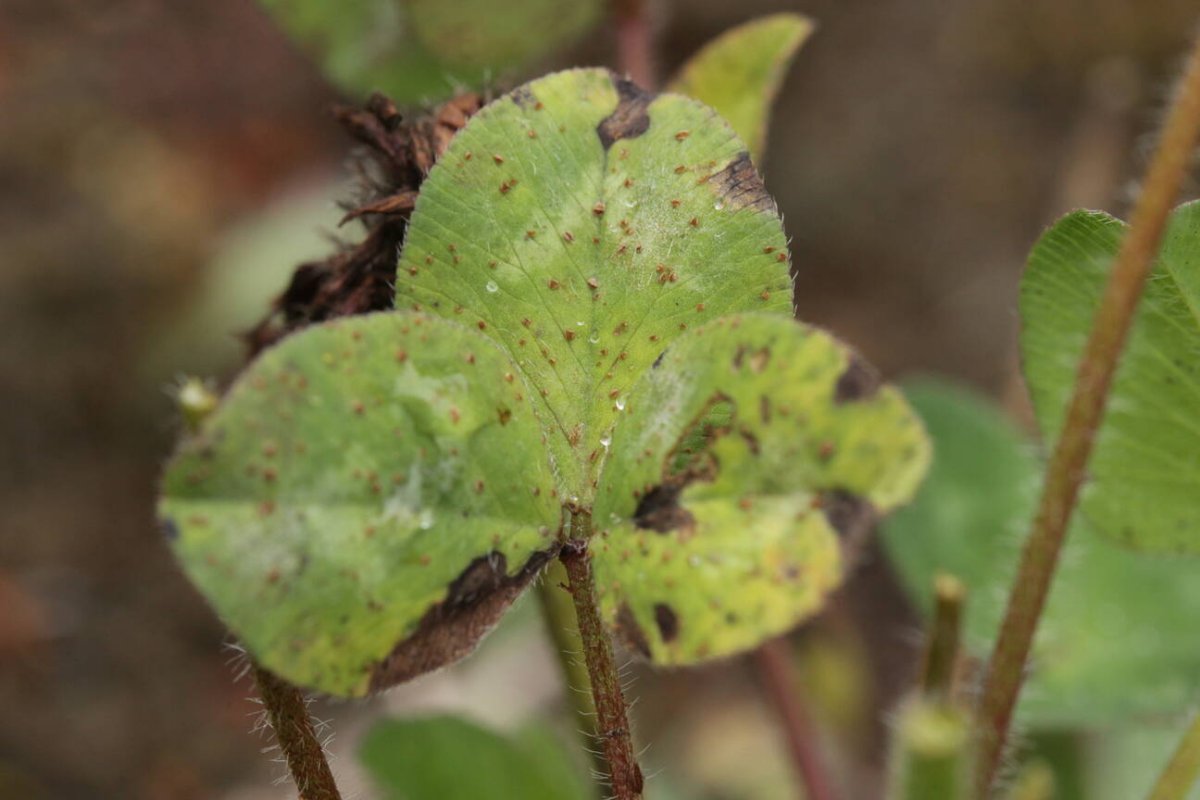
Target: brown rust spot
(860, 381)
(739, 186)
(451, 629)
(630, 118)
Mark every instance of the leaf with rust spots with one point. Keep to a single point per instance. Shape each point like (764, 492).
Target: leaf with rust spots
(329, 509)
(594, 316)
(714, 552)
(1144, 477)
(739, 73)
(585, 234)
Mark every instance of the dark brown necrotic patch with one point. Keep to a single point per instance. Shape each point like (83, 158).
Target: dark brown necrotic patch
(739, 186)
(852, 517)
(667, 621)
(631, 117)
(630, 633)
(523, 97)
(859, 382)
(659, 509)
(474, 602)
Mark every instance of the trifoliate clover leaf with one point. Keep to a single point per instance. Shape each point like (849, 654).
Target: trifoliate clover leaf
(563, 342)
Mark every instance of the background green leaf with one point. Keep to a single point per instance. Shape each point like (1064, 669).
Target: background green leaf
(704, 553)
(423, 50)
(358, 476)
(437, 758)
(1144, 475)
(584, 225)
(250, 265)
(1126, 762)
(1119, 640)
(475, 34)
(739, 73)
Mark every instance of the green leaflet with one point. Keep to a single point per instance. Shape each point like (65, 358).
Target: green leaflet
(739, 73)
(707, 555)
(1118, 640)
(423, 50)
(436, 758)
(1144, 472)
(374, 492)
(471, 34)
(585, 225)
(357, 480)
(367, 45)
(249, 263)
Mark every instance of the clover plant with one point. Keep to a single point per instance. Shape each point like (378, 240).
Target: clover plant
(588, 366)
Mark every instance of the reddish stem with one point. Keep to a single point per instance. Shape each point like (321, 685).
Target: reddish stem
(774, 664)
(612, 719)
(635, 41)
(1065, 472)
(288, 713)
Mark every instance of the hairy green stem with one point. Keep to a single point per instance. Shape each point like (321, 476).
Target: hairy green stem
(1183, 769)
(1065, 472)
(612, 718)
(773, 660)
(931, 756)
(562, 624)
(287, 712)
(941, 654)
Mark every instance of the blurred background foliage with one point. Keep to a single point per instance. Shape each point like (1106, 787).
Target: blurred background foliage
(164, 166)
